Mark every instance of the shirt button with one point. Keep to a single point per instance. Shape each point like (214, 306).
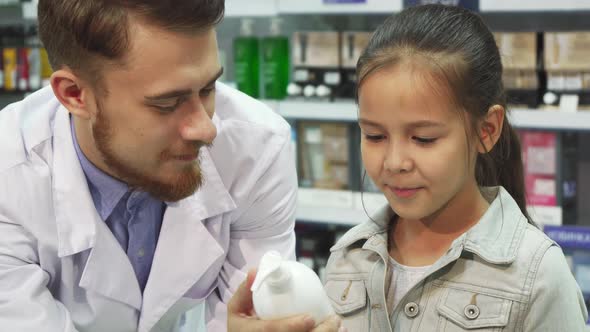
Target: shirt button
(141, 252)
(471, 311)
(412, 309)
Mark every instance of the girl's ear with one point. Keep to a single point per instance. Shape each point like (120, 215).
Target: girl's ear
(490, 128)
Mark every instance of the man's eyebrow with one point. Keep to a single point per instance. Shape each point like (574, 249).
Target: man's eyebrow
(181, 92)
(169, 95)
(216, 77)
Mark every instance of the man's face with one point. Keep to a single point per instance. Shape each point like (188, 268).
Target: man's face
(149, 127)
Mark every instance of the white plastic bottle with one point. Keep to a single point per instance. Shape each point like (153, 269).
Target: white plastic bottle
(286, 288)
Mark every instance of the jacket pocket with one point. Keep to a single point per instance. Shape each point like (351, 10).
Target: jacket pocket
(349, 299)
(461, 310)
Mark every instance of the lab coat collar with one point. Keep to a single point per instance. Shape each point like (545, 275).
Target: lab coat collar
(79, 227)
(185, 251)
(75, 213)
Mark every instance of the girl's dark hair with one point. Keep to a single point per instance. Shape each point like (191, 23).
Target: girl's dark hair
(458, 49)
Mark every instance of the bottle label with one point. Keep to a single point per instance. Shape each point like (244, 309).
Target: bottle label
(301, 75)
(332, 78)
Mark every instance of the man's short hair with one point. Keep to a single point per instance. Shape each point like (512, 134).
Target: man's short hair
(83, 35)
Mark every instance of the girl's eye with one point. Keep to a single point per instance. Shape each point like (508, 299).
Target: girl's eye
(374, 138)
(424, 140)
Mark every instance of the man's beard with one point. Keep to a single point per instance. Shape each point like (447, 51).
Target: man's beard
(175, 188)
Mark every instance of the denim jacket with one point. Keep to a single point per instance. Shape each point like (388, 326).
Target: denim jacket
(503, 274)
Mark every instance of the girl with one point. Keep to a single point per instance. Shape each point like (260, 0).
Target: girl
(455, 249)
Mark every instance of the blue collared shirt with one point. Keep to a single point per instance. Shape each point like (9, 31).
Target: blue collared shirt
(134, 217)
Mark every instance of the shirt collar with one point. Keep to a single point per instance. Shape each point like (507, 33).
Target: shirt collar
(495, 238)
(105, 190)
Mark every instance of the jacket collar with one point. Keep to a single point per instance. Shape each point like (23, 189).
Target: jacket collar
(495, 238)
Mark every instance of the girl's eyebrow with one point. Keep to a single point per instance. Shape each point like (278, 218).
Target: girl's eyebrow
(413, 125)
(363, 121)
(425, 123)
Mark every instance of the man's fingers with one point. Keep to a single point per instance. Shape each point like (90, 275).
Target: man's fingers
(301, 323)
(332, 324)
(241, 302)
(251, 324)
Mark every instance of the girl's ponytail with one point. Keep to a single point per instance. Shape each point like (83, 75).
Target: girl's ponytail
(502, 166)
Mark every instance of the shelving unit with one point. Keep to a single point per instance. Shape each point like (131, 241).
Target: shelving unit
(344, 207)
(347, 111)
(532, 5)
(337, 206)
(255, 8)
(18, 14)
(333, 7)
(239, 8)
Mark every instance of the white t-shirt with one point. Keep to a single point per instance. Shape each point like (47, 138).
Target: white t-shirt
(404, 278)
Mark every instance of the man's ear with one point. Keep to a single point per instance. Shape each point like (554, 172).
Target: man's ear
(72, 93)
(490, 128)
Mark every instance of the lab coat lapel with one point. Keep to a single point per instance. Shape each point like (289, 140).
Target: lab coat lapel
(186, 249)
(80, 228)
(109, 272)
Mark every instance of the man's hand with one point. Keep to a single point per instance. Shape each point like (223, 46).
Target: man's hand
(241, 316)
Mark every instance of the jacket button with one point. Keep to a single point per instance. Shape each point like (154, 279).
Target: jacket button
(411, 309)
(471, 311)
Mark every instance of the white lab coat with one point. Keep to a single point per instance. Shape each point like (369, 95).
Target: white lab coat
(62, 270)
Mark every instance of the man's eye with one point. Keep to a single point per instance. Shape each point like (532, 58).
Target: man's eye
(171, 108)
(207, 91)
(167, 109)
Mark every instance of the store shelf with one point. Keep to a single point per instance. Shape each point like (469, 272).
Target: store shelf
(237, 8)
(532, 5)
(522, 118)
(341, 207)
(339, 6)
(241, 8)
(336, 206)
(551, 120)
(324, 111)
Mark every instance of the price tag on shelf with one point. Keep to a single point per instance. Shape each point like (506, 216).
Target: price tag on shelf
(569, 103)
(30, 10)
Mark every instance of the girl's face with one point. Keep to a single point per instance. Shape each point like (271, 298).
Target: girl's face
(414, 143)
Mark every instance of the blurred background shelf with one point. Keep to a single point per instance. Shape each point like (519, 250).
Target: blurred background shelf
(237, 8)
(347, 111)
(533, 5)
(339, 7)
(337, 207)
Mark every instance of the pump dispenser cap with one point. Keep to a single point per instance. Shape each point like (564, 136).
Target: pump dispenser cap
(271, 268)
